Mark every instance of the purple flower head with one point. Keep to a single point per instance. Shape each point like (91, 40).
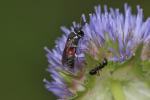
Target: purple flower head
(118, 34)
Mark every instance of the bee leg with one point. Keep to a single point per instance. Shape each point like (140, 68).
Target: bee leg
(82, 50)
(76, 55)
(77, 58)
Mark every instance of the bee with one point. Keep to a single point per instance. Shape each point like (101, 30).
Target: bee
(96, 70)
(69, 53)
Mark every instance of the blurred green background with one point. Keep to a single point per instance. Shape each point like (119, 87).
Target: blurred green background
(26, 26)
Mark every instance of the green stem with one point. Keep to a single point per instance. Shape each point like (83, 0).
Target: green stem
(117, 90)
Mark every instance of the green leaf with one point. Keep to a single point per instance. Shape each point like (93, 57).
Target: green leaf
(90, 61)
(130, 68)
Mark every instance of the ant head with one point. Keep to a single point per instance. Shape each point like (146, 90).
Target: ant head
(104, 62)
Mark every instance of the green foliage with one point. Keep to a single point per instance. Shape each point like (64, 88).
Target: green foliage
(115, 76)
(117, 90)
(131, 67)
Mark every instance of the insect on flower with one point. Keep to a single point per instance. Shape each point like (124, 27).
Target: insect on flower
(98, 68)
(120, 39)
(69, 53)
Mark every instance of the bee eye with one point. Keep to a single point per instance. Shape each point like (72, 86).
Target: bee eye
(81, 33)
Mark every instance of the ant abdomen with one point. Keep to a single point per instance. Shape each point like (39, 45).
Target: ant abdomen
(98, 68)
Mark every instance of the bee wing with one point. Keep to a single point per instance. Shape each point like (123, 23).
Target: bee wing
(68, 44)
(71, 36)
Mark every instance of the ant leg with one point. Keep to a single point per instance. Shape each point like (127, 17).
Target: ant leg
(98, 73)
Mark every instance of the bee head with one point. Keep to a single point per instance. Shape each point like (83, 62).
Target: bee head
(80, 33)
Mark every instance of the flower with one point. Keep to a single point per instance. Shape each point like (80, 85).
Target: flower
(123, 40)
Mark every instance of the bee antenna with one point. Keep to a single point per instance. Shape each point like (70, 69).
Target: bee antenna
(76, 29)
(82, 23)
(83, 20)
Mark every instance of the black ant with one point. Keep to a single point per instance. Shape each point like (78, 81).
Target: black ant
(96, 69)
